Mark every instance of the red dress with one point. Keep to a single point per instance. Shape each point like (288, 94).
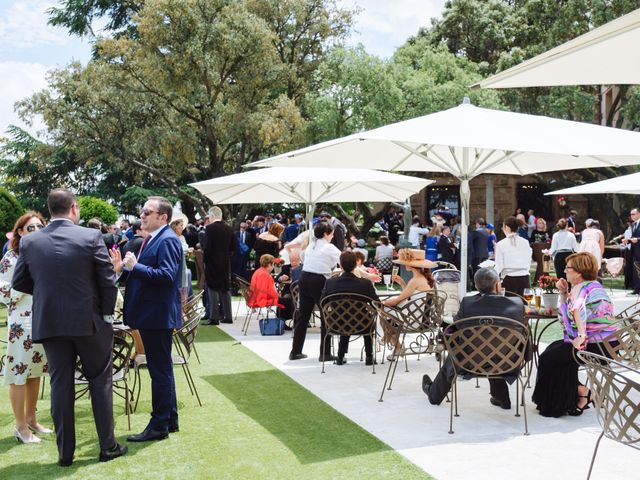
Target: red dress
(263, 289)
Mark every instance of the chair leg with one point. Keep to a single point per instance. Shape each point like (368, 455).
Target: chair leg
(189, 377)
(518, 397)
(386, 380)
(137, 381)
(524, 411)
(454, 396)
(595, 452)
(322, 339)
(44, 381)
(477, 383)
(127, 406)
(196, 352)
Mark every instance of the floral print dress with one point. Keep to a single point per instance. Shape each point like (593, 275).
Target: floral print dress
(24, 358)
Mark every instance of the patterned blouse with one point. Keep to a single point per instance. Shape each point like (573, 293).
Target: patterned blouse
(596, 311)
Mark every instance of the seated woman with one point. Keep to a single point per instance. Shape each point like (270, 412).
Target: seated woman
(263, 287)
(361, 271)
(586, 313)
(384, 255)
(269, 242)
(421, 282)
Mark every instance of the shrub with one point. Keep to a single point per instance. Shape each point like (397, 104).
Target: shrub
(10, 210)
(95, 207)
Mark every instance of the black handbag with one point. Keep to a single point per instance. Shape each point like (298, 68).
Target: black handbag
(271, 326)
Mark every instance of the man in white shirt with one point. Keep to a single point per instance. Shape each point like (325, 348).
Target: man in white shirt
(416, 231)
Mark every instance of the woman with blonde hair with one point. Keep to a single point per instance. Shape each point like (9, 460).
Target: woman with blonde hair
(26, 361)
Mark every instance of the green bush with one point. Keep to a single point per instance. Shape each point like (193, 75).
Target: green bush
(95, 207)
(10, 210)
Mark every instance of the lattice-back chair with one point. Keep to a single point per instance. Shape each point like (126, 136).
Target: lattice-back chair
(121, 356)
(184, 341)
(422, 316)
(448, 281)
(384, 264)
(488, 347)
(631, 312)
(348, 314)
(623, 345)
(615, 389)
(254, 299)
(613, 268)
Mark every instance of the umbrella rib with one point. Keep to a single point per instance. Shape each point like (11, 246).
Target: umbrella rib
(506, 158)
(422, 155)
(452, 150)
(479, 162)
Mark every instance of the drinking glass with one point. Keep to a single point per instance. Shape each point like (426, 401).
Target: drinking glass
(387, 280)
(538, 298)
(528, 295)
(394, 273)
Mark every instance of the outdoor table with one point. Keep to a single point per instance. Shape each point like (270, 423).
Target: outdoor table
(534, 318)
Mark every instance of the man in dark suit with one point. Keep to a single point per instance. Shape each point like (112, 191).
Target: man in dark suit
(219, 245)
(349, 283)
(488, 302)
(446, 248)
(152, 305)
(67, 270)
(634, 241)
(480, 240)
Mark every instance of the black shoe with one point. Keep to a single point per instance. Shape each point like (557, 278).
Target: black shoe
(147, 435)
(211, 322)
(64, 463)
(369, 360)
(287, 327)
(115, 452)
(426, 384)
(174, 429)
(341, 360)
(326, 358)
(503, 405)
(226, 320)
(297, 356)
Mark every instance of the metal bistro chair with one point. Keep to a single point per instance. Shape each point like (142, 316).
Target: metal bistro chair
(488, 347)
(623, 345)
(631, 312)
(121, 357)
(422, 316)
(384, 264)
(251, 296)
(243, 287)
(349, 314)
(193, 307)
(616, 393)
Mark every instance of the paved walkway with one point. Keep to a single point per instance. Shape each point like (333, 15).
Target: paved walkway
(488, 442)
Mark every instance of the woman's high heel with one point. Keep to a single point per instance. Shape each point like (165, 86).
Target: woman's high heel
(39, 429)
(576, 412)
(31, 439)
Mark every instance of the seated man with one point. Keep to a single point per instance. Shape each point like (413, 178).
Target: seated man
(349, 283)
(488, 302)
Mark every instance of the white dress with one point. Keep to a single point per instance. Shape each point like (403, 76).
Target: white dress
(24, 359)
(590, 242)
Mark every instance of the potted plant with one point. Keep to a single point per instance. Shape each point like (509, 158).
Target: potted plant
(550, 294)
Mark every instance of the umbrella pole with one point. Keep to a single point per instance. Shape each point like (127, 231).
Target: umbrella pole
(311, 209)
(465, 194)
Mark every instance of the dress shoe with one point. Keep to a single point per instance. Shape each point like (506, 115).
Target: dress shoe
(341, 360)
(503, 405)
(174, 429)
(147, 435)
(64, 463)
(426, 384)
(326, 358)
(115, 452)
(226, 320)
(31, 438)
(369, 360)
(211, 322)
(297, 356)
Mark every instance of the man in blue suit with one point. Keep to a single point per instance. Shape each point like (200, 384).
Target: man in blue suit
(152, 305)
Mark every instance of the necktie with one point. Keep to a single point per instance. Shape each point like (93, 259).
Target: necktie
(144, 244)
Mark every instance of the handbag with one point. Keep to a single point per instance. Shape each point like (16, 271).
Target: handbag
(271, 326)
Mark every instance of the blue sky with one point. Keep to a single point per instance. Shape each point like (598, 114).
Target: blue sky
(29, 47)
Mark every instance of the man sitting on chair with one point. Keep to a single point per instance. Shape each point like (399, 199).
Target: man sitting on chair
(487, 303)
(345, 284)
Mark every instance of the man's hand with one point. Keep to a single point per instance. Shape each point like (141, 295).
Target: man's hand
(130, 260)
(116, 260)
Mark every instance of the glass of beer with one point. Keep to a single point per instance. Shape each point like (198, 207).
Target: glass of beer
(538, 298)
(528, 295)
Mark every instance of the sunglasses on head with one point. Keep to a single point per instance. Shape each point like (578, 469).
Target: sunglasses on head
(33, 227)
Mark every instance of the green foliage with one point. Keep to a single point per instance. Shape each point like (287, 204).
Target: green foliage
(96, 207)
(10, 210)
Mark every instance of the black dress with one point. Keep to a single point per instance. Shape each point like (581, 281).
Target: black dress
(263, 247)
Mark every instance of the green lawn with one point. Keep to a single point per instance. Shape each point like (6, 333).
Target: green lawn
(255, 423)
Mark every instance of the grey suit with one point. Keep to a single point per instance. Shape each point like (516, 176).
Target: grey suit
(67, 270)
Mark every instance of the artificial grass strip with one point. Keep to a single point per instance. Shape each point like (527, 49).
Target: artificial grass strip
(255, 423)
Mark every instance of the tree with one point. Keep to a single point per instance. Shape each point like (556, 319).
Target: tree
(92, 207)
(10, 210)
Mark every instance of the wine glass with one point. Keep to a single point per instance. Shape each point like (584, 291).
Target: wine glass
(394, 273)
(387, 280)
(528, 295)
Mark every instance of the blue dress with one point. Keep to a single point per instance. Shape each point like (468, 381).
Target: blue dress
(431, 248)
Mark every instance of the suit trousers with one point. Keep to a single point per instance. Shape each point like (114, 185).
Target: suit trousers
(311, 285)
(443, 381)
(157, 346)
(95, 354)
(217, 297)
(343, 346)
(560, 262)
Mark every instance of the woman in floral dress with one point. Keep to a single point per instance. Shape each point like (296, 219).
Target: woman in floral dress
(25, 360)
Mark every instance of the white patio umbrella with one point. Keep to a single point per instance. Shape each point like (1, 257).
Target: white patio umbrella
(602, 56)
(310, 185)
(626, 184)
(467, 141)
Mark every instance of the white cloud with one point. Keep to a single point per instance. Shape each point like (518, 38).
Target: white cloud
(20, 80)
(24, 25)
(383, 25)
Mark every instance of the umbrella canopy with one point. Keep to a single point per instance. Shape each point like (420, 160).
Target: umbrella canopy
(599, 57)
(311, 185)
(629, 184)
(467, 141)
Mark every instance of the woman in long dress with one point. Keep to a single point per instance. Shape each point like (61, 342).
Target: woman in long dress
(25, 361)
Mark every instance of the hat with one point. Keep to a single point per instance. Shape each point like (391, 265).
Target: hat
(361, 243)
(588, 222)
(490, 226)
(412, 257)
(178, 215)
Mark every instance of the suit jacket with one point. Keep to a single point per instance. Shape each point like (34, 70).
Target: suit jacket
(635, 247)
(219, 244)
(152, 298)
(349, 283)
(446, 250)
(68, 271)
(480, 239)
(250, 237)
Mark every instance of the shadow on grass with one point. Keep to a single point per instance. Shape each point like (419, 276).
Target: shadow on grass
(308, 427)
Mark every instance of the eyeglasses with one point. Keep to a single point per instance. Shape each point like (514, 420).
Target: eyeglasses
(569, 267)
(32, 228)
(146, 212)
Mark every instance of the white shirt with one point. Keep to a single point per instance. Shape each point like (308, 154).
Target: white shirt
(414, 234)
(513, 256)
(320, 257)
(563, 240)
(384, 251)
